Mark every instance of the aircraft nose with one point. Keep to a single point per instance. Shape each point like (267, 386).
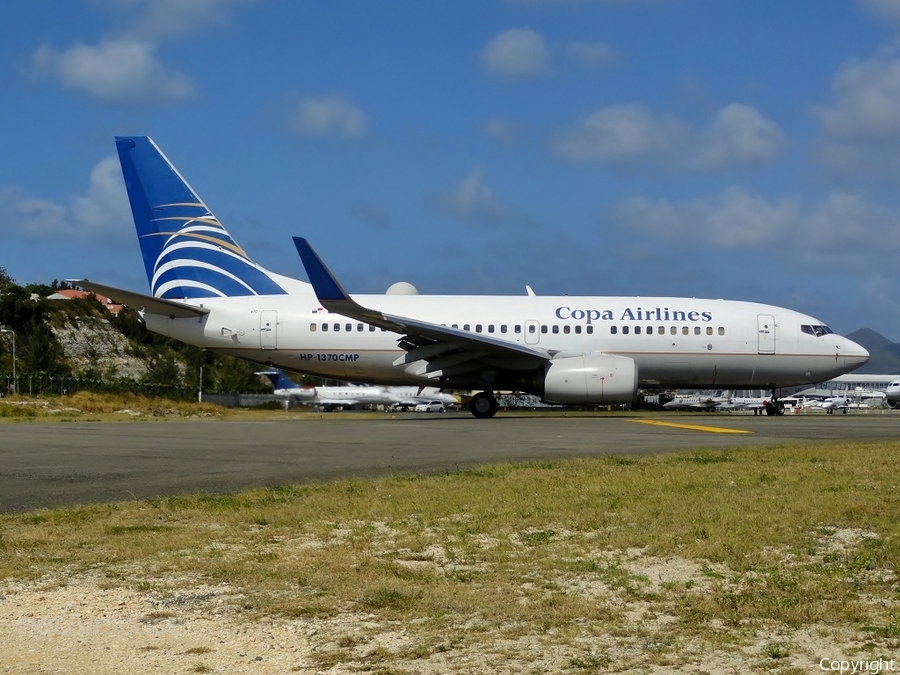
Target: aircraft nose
(853, 354)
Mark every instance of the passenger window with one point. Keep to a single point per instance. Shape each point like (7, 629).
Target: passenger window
(637, 330)
(696, 330)
(359, 328)
(348, 327)
(466, 326)
(502, 327)
(709, 330)
(518, 329)
(590, 330)
(555, 328)
(477, 327)
(544, 328)
(649, 330)
(612, 330)
(578, 330)
(337, 327)
(324, 327)
(455, 326)
(371, 328)
(721, 330)
(661, 330)
(490, 328)
(530, 328)
(624, 330)
(312, 328)
(685, 330)
(566, 329)
(673, 331)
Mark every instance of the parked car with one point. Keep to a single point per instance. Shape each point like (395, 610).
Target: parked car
(430, 406)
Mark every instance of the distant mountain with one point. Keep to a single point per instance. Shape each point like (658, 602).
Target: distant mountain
(885, 355)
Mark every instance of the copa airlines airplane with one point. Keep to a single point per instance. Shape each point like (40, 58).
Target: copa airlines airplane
(206, 291)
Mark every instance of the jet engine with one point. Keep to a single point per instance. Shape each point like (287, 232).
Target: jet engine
(590, 378)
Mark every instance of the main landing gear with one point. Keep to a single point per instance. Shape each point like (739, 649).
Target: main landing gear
(774, 406)
(483, 404)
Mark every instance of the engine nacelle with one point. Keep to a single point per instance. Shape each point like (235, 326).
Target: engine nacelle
(590, 378)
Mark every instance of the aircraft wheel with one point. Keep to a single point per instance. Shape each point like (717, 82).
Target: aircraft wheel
(483, 405)
(779, 407)
(770, 408)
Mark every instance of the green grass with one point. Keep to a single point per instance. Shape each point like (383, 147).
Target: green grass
(724, 545)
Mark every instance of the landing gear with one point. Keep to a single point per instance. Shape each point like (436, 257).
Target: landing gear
(483, 405)
(774, 408)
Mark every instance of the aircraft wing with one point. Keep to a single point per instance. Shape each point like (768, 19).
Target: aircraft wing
(447, 351)
(141, 302)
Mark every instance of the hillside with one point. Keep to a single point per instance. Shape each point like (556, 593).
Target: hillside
(64, 346)
(885, 355)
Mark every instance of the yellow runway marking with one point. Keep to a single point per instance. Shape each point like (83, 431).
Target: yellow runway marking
(694, 427)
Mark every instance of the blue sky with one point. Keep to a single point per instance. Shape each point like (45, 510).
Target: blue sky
(747, 149)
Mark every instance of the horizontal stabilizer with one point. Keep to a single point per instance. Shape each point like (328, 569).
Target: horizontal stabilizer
(139, 301)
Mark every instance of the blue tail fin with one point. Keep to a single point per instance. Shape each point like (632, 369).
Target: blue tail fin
(279, 379)
(187, 252)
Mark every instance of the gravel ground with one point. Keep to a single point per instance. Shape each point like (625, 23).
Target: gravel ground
(84, 627)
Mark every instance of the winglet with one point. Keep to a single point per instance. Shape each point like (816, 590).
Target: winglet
(332, 295)
(327, 288)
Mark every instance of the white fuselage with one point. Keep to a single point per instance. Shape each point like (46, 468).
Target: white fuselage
(675, 342)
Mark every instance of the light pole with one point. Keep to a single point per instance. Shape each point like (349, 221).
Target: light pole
(13, 333)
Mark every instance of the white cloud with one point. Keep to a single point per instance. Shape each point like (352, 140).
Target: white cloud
(592, 53)
(472, 199)
(867, 97)
(861, 129)
(123, 67)
(103, 211)
(518, 52)
(887, 9)
(734, 219)
(116, 71)
(845, 229)
(328, 116)
(156, 19)
(739, 134)
(625, 132)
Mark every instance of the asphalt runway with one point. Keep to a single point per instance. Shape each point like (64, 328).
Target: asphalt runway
(70, 463)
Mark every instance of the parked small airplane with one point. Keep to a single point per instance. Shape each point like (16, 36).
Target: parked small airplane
(832, 403)
(698, 402)
(206, 291)
(329, 398)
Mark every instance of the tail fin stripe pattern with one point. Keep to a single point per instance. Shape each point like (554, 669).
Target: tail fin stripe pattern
(180, 290)
(172, 265)
(194, 256)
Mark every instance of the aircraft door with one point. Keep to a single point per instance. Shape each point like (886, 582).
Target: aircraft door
(268, 324)
(766, 333)
(532, 332)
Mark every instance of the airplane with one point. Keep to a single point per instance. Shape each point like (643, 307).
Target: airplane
(832, 403)
(892, 393)
(697, 402)
(205, 290)
(328, 398)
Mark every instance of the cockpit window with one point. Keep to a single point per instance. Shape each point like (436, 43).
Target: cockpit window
(818, 331)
